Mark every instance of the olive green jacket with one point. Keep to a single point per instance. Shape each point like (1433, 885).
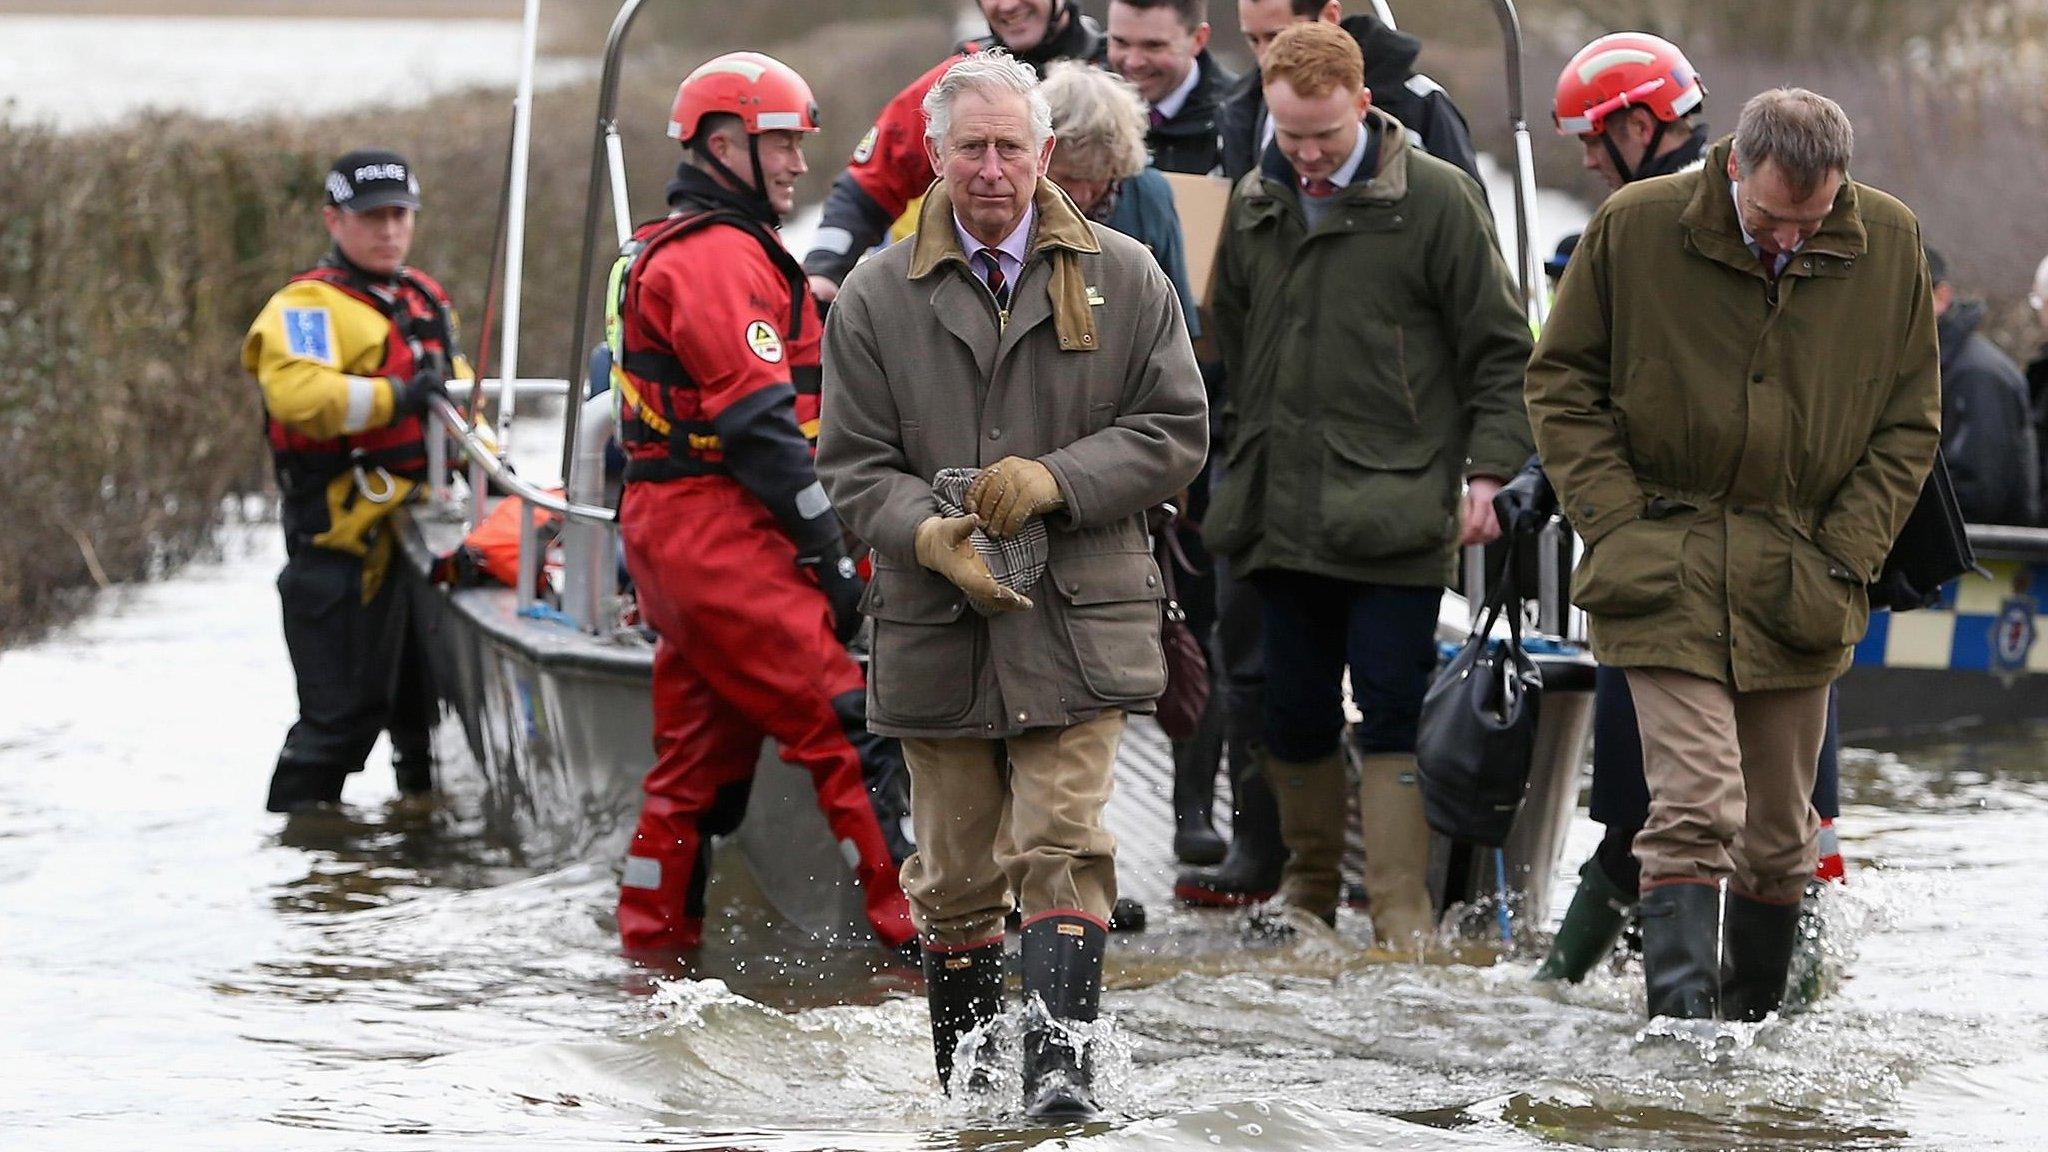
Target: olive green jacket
(1737, 455)
(1371, 362)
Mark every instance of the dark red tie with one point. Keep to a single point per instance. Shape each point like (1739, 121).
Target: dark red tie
(992, 273)
(1318, 188)
(1157, 116)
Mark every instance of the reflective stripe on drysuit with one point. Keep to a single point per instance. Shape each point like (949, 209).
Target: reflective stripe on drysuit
(328, 350)
(745, 647)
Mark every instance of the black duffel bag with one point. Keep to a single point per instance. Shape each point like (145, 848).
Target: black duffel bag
(1477, 738)
(1933, 548)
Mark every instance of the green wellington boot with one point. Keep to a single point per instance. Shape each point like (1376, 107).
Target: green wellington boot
(1592, 924)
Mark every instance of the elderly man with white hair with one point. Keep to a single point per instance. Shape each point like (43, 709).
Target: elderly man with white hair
(1013, 385)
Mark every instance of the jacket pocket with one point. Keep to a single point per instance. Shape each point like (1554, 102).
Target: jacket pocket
(924, 659)
(1823, 608)
(1232, 523)
(1111, 606)
(1633, 570)
(1383, 499)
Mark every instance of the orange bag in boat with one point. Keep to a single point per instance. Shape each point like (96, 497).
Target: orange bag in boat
(491, 551)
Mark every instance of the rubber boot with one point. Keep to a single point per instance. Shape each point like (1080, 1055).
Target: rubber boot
(1759, 938)
(1195, 762)
(1312, 798)
(1250, 872)
(1592, 925)
(1681, 945)
(413, 767)
(1396, 851)
(297, 785)
(965, 990)
(1062, 984)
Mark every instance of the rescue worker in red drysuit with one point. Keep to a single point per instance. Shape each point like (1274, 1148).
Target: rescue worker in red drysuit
(348, 355)
(890, 167)
(735, 551)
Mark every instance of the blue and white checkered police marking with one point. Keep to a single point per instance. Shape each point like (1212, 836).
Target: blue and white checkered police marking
(309, 332)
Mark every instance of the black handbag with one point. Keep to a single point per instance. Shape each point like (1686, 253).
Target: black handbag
(1477, 738)
(1933, 548)
(1180, 708)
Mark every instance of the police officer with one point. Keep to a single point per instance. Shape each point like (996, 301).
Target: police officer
(348, 353)
(731, 543)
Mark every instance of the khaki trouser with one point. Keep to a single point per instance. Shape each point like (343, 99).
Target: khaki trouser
(1021, 819)
(1731, 782)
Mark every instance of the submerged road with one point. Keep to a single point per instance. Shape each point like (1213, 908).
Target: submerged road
(180, 969)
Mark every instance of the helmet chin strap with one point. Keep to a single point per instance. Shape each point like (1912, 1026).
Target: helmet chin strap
(1622, 167)
(758, 190)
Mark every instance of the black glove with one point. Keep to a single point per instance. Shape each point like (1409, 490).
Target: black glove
(1895, 590)
(1526, 503)
(409, 398)
(840, 581)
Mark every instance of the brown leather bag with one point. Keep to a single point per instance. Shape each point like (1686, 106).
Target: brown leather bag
(1187, 666)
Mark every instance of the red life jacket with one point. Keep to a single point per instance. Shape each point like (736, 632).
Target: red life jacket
(661, 413)
(420, 330)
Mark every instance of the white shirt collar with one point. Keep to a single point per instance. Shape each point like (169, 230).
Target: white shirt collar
(1011, 252)
(1175, 100)
(1348, 171)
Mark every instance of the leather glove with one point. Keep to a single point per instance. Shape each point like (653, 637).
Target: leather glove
(1011, 491)
(1526, 503)
(840, 580)
(409, 397)
(943, 546)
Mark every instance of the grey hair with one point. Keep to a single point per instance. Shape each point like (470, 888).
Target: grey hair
(1806, 134)
(1099, 120)
(992, 72)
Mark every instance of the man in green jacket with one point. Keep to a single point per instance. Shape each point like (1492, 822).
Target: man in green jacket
(1737, 398)
(1375, 347)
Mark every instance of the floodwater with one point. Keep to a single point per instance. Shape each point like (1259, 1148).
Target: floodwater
(78, 72)
(180, 968)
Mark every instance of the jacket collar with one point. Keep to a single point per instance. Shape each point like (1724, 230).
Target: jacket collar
(1687, 156)
(1714, 230)
(1063, 237)
(1389, 53)
(1381, 179)
(1197, 114)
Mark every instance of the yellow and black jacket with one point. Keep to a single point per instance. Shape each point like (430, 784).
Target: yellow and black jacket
(329, 350)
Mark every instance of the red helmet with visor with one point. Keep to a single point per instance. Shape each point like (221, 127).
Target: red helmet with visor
(766, 94)
(1620, 71)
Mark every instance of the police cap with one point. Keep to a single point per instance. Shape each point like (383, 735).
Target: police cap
(368, 179)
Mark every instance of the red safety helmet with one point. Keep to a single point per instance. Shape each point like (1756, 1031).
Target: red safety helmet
(766, 94)
(1624, 70)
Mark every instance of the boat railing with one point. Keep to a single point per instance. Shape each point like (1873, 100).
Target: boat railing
(2009, 542)
(589, 528)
